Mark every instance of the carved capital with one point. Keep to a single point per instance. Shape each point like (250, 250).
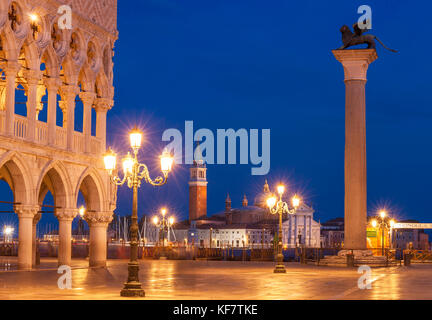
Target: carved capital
(11, 68)
(87, 97)
(52, 84)
(66, 214)
(33, 77)
(26, 211)
(98, 218)
(69, 92)
(355, 62)
(37, 218)
(103, 104)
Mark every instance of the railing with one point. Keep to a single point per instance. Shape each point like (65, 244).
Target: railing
(95, 145)
(60, 138)
(21, 131)
(78, 142)
(20, 127)
(41, 132)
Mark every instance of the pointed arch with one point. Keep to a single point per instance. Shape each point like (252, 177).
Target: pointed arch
(55, 178)
(14, 170)
(91, 186)
(9, 45)
(31, 55)
(51, 60)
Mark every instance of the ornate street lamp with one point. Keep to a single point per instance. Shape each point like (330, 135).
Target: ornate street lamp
(383, 222)
(163, 225)
(280, 207)
(134, 173)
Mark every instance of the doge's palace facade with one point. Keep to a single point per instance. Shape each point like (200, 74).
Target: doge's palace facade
(55, 67)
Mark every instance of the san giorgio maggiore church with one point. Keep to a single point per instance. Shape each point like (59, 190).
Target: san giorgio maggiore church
(250, 226)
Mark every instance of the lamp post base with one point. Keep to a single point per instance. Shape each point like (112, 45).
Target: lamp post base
(132, 289)
(280, 268)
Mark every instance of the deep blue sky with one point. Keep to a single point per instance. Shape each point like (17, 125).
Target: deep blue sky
(268, 64)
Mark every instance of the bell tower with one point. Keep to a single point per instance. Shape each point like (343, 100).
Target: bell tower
(198, 187)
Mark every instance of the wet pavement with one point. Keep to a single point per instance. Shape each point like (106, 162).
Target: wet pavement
(192, 280)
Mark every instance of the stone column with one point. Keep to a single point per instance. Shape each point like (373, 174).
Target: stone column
(87, 99)
(65, 217)
(11, 71)
(355, 64)
(98, 222)
(36, 219)
(69, 93)
(32, 77)
(102, 106)
(26, 214)
(52, 85)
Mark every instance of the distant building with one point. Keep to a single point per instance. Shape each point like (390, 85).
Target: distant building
(410, 238)
(332, 233)
(249, 225)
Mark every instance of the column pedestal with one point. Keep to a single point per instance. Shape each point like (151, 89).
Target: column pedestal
(355, 64)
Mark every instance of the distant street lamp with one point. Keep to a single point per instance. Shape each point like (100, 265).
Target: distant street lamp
(163, 225)
(7, 233)
(383, 222)
(134, 173)
(81, 212)
(280, 207)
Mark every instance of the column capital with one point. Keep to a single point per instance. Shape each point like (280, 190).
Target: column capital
(98, 218)
(66, 214)
(11, 68)
(103, 104)
(87, 97)
(33, 76)
(355, 62)
(26, 211)
(37, 218)
(52, 84)
(69, 91)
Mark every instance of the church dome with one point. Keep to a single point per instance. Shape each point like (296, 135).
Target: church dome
(261, 199)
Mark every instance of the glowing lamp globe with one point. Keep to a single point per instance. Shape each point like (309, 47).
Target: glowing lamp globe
(281, 189)
(155, 220)
(163, 211)
(81, 211)
(33, 17)
(392, 223)
(135, 138)
(110, 160)
(166, 161)
(171, 221)
(383, 214)
(296, 202)
(271, 202)
(374, 223)
(128, 163)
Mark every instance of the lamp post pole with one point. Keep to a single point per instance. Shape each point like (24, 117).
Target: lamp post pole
(134, 173)
(383, 224)
(162, 225)
(280, 207)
